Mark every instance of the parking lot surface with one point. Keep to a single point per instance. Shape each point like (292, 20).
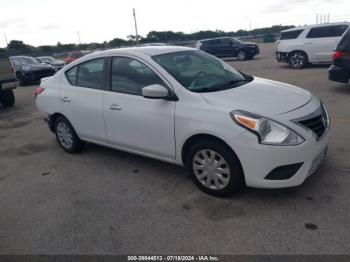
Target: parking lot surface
(104, 201)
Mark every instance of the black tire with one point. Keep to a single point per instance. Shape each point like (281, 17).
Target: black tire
(75, 145)
(242, 55)
(236, 177)
(7, 98)
(298, 60)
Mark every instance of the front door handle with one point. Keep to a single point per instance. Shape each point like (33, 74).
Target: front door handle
(65, 99)
(115, 107)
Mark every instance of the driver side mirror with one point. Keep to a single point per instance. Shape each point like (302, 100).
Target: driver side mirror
(155, 91)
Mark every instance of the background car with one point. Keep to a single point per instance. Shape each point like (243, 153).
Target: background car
(29, 70)
(309, 44)
(73, 56)
(55, 63)
(228, 47)
(340, 70)
(8, 82)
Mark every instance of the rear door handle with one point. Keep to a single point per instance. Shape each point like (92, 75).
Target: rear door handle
(115, 107)
(65, 99)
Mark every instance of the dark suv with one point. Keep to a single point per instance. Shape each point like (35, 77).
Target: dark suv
(228, 47)
(340, 70)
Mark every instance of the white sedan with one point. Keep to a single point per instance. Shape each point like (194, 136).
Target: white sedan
(189, 108)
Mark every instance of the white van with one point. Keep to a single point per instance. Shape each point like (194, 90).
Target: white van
(309, 44)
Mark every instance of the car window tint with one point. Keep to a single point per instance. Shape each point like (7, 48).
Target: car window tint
(129, 76)
(71, 75)
(326, 31)
(344, 43)
(339, 30)
(290, 34)
(90, 74)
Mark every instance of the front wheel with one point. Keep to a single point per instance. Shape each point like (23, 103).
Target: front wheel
(241, 55)
(214, 168)
(298, 60)
(7, 98)
(66, 136)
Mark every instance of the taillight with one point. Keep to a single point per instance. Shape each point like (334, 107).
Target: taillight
(339, 54)
(38, 91)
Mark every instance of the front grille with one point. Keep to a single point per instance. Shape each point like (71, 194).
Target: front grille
(318, 123)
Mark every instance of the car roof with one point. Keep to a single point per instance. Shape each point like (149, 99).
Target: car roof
(216, 38)
(312, 26)
(20, 56)
(143, 50)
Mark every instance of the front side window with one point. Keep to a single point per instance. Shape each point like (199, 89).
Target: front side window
(90, 74)
(199, 72)
(129, 76)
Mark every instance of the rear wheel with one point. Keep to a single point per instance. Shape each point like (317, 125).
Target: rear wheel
(298, 60)
(7, 98)
(214, 168)
(66, 136)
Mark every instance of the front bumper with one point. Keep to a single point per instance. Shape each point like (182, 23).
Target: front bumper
(35, 76)
(338, 74)
(258, 160)
(9, 84)
(282, 57)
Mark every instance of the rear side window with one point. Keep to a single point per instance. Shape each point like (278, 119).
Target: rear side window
(129, 76)
(90, 74)
(290, 34)
(327, 31)
(344, 43)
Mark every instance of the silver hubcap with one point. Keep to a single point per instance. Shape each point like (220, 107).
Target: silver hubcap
(64, 135)
(211, 169)
(297, 60)
(241, 55)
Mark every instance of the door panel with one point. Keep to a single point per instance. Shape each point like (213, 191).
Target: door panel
(132, 121)
(84, 109)
(83, 105)
(141, 124)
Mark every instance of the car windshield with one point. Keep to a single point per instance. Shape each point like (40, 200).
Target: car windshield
(24, 60)
(46, 59)
(200, 72)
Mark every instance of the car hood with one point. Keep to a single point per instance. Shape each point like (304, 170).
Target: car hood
(33, 67)
(249, 43)
(56, 63)
(260, 96)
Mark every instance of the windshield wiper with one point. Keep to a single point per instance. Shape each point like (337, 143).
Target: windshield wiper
(230, 84)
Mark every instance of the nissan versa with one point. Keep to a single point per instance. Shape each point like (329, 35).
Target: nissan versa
(184, 106)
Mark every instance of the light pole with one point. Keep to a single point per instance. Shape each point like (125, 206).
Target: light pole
(137, 35)
(79, 37)
(6, 40)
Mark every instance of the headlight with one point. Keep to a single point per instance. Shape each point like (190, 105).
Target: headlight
(269, 132)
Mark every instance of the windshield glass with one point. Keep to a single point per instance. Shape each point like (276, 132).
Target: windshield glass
(46, 59)
(199, 72)
(24, 60)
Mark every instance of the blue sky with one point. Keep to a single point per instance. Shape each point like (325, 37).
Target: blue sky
(41, 22)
